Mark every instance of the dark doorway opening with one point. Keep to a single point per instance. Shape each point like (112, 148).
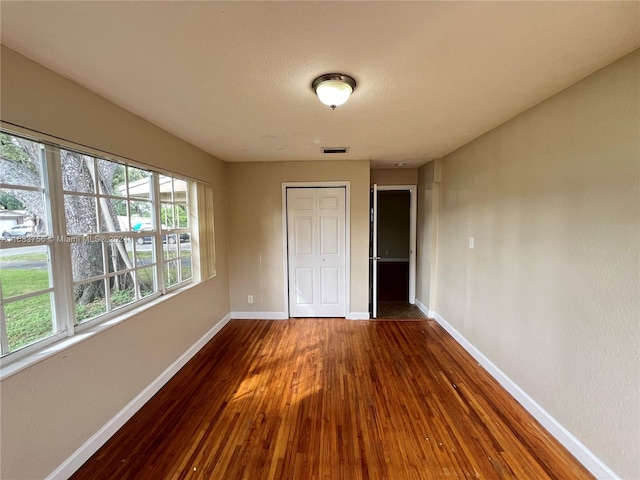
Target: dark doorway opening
(394, 227)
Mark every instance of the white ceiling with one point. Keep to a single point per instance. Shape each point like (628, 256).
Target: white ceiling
(234, 78)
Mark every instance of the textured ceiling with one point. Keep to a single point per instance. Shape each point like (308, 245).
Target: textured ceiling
(233, 78)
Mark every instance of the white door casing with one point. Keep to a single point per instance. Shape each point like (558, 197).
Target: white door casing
(316, 252)
(374, 242)
(413, 222)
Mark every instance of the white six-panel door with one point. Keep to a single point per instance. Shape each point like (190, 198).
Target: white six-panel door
(316, 252)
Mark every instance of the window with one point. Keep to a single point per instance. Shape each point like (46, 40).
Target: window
(106, 203)
(174, 212)
(83, 239)
(26, 281)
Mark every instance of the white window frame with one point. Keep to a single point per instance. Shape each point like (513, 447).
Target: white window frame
(77, 238)
(176, 232)
(60, 268)
(59, 328)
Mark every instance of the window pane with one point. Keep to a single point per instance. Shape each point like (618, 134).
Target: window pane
(170, 246)
(129, 245)
(24, 213)
(166, 188)
(28, 320)
(80, 213)
(166, 213)
(171, 273)
(179, 190)
(146, 281)
(182, 216)
(10, 200)
(86, 260)
(112, 178)
(185, 244)
(115, 218)
(139, 183)
(185, 267)
(21, 161)
(144, 225)
(118, 257)
(77, 172)
(122, 290)
(24, 270)
(144, 253)
(141, 213)
(90, 301)
(145, 239)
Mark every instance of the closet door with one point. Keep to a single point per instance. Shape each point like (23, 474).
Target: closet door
(316, 251)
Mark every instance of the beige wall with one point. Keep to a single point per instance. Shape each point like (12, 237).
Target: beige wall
(255, 229)
(426, 233)
(51, 408)
(550, 294)
(394, 176)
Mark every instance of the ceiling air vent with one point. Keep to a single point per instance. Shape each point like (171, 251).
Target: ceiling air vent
(328, 150)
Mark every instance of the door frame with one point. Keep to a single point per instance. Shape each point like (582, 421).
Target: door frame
(413, 228)
(347, 233)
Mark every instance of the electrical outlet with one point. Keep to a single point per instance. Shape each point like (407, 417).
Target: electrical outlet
(472, 242)
(249, 298)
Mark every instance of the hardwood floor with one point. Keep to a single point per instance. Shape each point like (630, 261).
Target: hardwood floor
(332, 399)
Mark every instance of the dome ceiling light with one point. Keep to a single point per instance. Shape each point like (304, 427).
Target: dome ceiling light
(333, 89)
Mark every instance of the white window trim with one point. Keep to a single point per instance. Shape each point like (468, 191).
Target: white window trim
(60, 252)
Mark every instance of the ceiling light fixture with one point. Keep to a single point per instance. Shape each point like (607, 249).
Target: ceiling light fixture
(333, 89)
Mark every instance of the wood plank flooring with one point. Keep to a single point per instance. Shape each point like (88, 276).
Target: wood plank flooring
(332, 399)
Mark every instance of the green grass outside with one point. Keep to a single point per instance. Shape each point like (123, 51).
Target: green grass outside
(25, 257)
(146, 255)
(19, 281)
(30, 319)
(90, 310)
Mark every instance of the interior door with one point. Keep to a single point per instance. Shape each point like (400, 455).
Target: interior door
(316, 252)
(373, 254)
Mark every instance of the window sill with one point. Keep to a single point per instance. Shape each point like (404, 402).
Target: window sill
(9, 367)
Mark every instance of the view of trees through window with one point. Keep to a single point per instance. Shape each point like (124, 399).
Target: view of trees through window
(115, 232)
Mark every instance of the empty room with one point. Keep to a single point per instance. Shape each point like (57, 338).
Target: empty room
(339, 240)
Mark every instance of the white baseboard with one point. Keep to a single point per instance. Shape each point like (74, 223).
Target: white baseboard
(423, 308)
(564, 436)
(260, 315)
(91, 446)
(284, 316)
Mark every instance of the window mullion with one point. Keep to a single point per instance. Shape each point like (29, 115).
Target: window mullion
(93, 169)
(28, 188)
(157, 238)
(60, 270)
(4, 341)
(106, 282)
